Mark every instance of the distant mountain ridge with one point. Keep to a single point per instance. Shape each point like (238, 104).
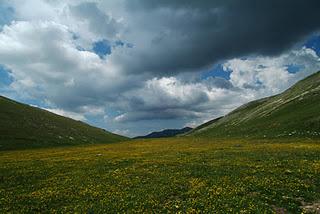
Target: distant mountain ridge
(293, 113)
(166, 133)
(23, 126)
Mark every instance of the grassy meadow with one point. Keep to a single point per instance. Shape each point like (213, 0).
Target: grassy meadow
(187, 175)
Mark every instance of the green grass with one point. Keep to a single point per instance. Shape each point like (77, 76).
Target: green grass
(25, 127)
(294, 113)
(166, 175)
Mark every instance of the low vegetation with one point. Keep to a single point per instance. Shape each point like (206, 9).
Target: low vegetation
(190, 175)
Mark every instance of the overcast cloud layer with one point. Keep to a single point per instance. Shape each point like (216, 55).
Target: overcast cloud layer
(141, 65)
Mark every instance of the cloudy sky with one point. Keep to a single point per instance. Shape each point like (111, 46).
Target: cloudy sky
(135, 66)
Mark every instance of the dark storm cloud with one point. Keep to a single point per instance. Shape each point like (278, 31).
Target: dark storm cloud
(188, 35)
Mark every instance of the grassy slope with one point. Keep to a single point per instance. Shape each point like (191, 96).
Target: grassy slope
(295, 112)
(23, 126)
(190, 175)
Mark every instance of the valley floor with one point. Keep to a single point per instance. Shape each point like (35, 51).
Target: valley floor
(163, 175)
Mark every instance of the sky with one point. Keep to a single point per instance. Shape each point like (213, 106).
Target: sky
(136, 66)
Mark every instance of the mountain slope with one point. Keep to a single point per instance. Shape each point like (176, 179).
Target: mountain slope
(293, 113)
(23, 126)
(166, 133)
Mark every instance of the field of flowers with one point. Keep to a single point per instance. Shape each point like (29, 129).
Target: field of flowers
(188, 175)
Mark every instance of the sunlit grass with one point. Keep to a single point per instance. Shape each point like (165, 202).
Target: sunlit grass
(180, 174)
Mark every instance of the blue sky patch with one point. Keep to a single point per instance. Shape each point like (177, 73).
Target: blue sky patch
(294, 68)
(216, 71)
(5, 78)
(6, 14)
(314, 43)
(102, 48)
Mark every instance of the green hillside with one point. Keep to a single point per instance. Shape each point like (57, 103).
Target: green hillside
(23, 126)
(293, 113)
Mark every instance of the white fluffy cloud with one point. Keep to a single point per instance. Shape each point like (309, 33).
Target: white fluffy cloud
(271, 73)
